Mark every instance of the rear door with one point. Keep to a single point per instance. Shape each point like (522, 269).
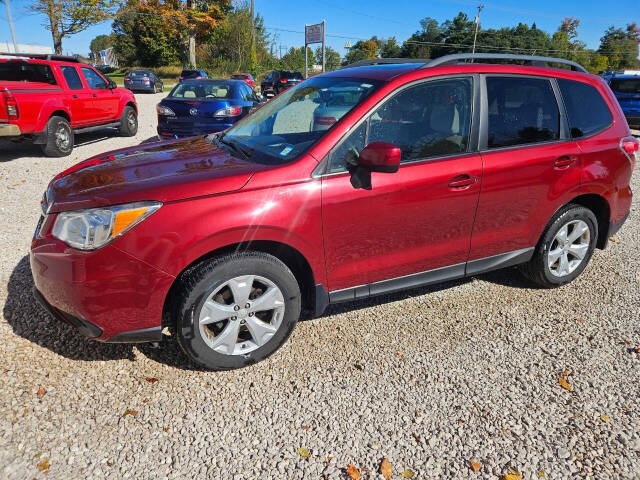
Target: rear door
(531, 167)
(82, 108)
(418, 219)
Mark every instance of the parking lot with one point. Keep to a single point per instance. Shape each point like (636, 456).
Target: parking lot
(430, 379)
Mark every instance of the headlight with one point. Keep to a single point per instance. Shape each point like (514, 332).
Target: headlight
(162, 110)
(94, 228)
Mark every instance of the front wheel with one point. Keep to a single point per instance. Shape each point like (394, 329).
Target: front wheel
(236, 310)
(565, 248)
(128, 122)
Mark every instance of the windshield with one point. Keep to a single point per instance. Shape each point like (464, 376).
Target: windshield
(626, 85)
(292, 122)
(210, 90)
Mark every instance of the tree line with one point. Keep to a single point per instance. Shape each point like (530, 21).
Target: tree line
(217, 35)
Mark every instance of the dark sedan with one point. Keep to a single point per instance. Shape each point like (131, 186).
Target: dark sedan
(143, 81)
(279, 80)
(200, 107)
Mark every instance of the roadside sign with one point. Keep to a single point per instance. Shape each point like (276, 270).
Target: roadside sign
(314, 33)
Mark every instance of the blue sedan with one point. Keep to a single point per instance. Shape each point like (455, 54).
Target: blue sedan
(627, 91)
(203, 106)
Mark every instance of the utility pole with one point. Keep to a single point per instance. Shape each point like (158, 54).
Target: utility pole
(475, 35)
(13, 33)
(252, 54)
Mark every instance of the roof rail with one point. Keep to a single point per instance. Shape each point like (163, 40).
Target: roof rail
(385, 61)
(528, 59)
(41, 56)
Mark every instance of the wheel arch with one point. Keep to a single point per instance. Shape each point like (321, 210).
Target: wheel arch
(601, 209)
(290, 256)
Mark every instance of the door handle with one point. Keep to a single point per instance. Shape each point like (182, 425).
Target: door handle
(462, 182)
(94, 95)
(74, 96)
(564, 162)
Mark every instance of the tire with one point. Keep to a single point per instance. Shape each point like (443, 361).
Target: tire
(222, 283)
(128, 122)
(59, 138)
(564, 265)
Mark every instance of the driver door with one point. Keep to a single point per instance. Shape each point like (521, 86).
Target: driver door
(418, 219)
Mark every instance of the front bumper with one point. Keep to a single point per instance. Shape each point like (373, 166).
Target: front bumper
(9, 130)
(107, 294)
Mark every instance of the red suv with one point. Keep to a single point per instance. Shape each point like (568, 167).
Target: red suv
(47, 99)
(436, 171)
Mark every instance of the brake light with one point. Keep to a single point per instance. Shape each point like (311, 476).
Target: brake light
(284, 80)
(230, 111)
(325, 120)
(629, 146)
(11, 105)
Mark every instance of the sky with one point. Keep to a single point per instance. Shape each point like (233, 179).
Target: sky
(360, 19)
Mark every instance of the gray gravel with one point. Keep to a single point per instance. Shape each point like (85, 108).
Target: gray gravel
(430, 379)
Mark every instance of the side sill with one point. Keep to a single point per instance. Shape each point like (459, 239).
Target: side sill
(502, 260)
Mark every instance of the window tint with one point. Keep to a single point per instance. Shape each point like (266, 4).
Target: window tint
(72, 78)
(426, 120)
(587, 111)
(94, 80)
(14, 71)
(521, 110)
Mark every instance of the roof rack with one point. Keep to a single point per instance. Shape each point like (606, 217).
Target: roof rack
(41, 56)
(459, 57)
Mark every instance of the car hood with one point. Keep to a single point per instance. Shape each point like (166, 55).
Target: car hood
(162, 171)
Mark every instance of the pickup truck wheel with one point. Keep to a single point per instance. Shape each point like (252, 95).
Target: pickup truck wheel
(59, 138)
(128, 122)
(236, 310)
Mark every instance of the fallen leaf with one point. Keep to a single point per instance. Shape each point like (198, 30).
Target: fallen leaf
(580, 320)
(475, 466)
(400, 355)
(128, 411)
(638, 349)
(306, 427)
(353, 472)
(385, 468)
(41, 391)
(359, 366)
(614, 239)
(565, 373)
(408, 473)
(541, 474)
(326, 464)
(44, 465)
(605, 418)
(513, 474)
(564, 384)
(165, 429)
(151, 379)
(416, 437)
(304, 453)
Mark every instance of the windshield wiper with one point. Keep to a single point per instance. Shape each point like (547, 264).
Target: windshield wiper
(219, 140)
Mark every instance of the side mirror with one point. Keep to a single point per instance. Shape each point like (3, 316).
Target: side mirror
(111, 85)
(380, 157)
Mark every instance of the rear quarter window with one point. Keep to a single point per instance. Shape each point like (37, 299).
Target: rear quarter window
(587, 111)
(26, 72)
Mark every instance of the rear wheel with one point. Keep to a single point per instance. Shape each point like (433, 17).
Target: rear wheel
(128, 122)
(58, 138)
(565, 248)
(236, 310)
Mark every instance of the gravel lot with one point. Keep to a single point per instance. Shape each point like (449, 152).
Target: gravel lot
(430, 379)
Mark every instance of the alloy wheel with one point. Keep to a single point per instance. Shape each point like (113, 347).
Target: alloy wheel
(63, 137)
(569, 247)
(241, 315)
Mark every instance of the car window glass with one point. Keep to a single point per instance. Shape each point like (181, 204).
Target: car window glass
(345, 154)
(587, 112)
(625, 85)
(15, 71)
(71, 77)
(201, 90)
(94, 80)
(426, 120)
(521, 110)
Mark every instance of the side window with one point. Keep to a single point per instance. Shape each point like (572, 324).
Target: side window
(521, 110)
(72, 78)
(95, 81)
(426, 120)
(587, 111)
(346, 153)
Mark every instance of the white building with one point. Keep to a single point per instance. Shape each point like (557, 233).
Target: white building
(7, 47)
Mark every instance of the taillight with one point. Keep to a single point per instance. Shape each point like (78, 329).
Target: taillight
(284, 80)
(230, 111)
(629, 146)
(325, 120)
(11, 105)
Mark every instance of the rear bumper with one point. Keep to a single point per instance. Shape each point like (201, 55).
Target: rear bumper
(106, 294)
(168, 130)
(9, 130)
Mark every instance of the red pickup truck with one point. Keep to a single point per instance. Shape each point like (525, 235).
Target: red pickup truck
(49, 98)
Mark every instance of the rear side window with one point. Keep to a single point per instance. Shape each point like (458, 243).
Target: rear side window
(72, 78)
(26, 72)
(522, 110)
(587, 111)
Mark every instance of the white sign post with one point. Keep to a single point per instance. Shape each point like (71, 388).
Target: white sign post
(313, 34)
